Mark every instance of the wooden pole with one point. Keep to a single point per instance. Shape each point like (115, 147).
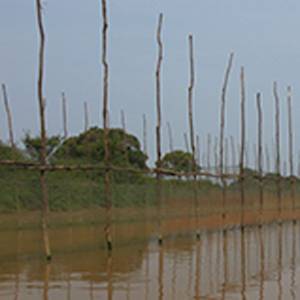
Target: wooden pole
(186, 142)
(216, 158)
(298, 163)
(105, 113)
(222, 116)
(233, 154)
(9, 116)
(64, 109)
(86, 116)
(255, 157)
(277, 141)
(123, 122)
(190, 100)
(171, 148)
(208, 154)
(191, 126)
(243, 142)
(43, 151)
(158, 125)
(226, 155)
(260, 153)
(145, 134)
(291, 146)
(222, 129)
(268, 161)
(198, 150)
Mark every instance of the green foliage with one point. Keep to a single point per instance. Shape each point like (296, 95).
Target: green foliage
(179, 161)
(33, 145)
(88, 147)
(9, 153)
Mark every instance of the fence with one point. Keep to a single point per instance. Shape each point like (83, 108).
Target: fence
(236, 193)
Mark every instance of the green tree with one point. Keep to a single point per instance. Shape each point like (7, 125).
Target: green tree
(33, 145)
(88, 147)
(9, 153)
(178, 161)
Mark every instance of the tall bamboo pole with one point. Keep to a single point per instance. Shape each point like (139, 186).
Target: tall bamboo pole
(260, 153)
(233, 154)
(186, 142)
(268, 161)
(86, 116)
(277, 141)
(226, 155)
(64, 111)
(171, 148)
(298, 172)
(43, 153)
(9, 116)
(191, 126)
(190, 100)
(222, 113)
(222, 130)
(216, 158)
(255, 157)
(243, 144)
(291, 146)
(123, 122)
(198, 149)
(145, 134)
(208, 154)
(158, 125)
(105, 113)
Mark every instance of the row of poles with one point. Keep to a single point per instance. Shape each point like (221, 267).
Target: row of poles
(43, 167)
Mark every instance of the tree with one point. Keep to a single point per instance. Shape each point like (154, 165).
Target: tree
(178, 161)
(33, 145)
(10, 153)
(88, 147)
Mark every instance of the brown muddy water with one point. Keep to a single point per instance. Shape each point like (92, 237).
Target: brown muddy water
(254, 263)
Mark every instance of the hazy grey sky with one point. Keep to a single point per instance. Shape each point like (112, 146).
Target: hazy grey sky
(262, 33)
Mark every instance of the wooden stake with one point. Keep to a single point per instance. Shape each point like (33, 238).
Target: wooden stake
(186, 141)
(191, 125)
(226, 167)
(216, 158)
(290, 130)
(145, 134)
(9, 116)
(64, 109)
(268, 161)
(208, 152)
(158, 125)
(243, 144)
(233, 153)
(222, 116)
(222, 129)
(171, 148)
(86, 117)
(291, 146)
(198, 150)
(277, 141)
(105, 113)
(123, 122)
(190, 100)
(260, 152)
(43, 153)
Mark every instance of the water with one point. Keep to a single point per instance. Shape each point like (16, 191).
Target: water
(254, 263)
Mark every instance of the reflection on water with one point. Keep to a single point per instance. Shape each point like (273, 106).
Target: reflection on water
(253, 262)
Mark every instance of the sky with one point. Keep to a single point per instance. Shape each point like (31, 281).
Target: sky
(261, 33)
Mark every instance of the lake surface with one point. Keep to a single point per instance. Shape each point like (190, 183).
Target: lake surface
(254, 263)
